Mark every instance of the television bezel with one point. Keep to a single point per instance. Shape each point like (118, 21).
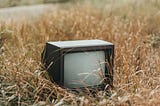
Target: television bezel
(109, 51)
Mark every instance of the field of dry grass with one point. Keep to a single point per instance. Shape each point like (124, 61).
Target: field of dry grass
(133, 28)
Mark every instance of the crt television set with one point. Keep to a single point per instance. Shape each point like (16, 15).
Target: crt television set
(80, 64)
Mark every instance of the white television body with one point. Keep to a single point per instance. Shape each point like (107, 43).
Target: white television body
(79, 64)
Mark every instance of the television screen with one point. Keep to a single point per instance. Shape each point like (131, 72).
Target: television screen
(84, 69)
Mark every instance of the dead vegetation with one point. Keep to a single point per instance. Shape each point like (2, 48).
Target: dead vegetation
(137, 55)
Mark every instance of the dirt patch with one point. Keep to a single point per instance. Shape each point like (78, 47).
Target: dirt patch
(20, 12)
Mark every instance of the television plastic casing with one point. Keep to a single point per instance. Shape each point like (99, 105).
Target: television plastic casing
(54, 52)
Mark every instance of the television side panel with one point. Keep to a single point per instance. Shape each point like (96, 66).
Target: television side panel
(51, 61)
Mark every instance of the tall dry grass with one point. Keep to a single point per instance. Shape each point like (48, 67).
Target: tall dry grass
(137, 55)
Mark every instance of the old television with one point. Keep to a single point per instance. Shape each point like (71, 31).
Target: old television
(80, 64)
